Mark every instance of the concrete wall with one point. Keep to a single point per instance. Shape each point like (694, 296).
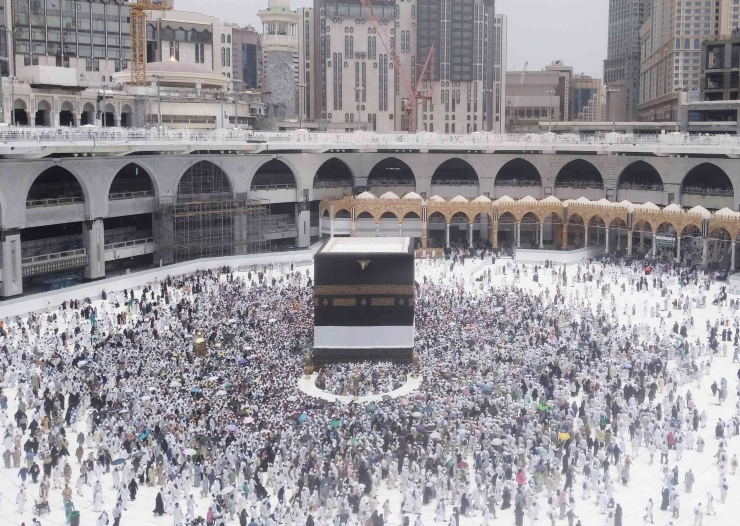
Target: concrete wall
(96, 174)
(37, 302)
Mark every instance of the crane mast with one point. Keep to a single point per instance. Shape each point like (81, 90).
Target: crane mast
(416, 93)
(138, 36)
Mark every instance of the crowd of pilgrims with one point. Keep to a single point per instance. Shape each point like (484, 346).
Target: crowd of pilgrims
(376, 378)
(531, 400)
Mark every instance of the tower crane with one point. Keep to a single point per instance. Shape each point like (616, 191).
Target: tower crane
(138, 35)
(416, 93)
(514, 113)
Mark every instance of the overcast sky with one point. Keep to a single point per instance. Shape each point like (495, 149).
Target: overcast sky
(540, 31)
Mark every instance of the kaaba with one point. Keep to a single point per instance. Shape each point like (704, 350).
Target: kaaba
(364, 300)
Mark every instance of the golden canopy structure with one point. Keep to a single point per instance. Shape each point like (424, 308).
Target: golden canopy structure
(570, 219)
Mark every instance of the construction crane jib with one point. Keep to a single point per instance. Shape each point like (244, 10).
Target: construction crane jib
(416, 93)
(138, 36)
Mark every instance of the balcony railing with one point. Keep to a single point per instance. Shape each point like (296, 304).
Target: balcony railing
(644, 187)
(52, 257)
(130, 195)
(454, 182)
(517, 182)
(698, 190)
(128, 244)
(579, 184)
(59, 201)
(205, 139)
(331, 184)
(286, 186)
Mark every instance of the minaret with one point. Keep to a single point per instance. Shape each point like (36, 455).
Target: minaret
(279, 44)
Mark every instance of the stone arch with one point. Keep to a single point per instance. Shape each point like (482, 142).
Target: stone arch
(706, 179)
(518, 172)
(579, 173)
(57, 182)
(20, 112)
(333, 172)
(342, 213)
(462, 211)
(127, 116)
(43, 113)
(391, 172)
(640, 175)
(66, 114)
(455, 172)
(272, 175)
(203, 181)
(132, 178)
(389, 215)
(87, 117)
(664, 227)
(411, 215)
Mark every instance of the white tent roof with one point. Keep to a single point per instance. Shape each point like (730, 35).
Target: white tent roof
(505, 199)
(437, 199)
(481, 199)
(389, 196)
(458, 199)
(700, 211)
(527, 199)
(726, 213)
(365, 196)
(551, 200)
(673, 207)
(412, 196)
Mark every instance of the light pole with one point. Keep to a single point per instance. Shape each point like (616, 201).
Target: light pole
(12, 100)
(236, 104)
(612, 108)
(2, 97)
(550, 92)
(301, 92)
(159, 102)
(359, 90)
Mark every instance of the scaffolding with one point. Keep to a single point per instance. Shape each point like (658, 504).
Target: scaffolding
(211, 229)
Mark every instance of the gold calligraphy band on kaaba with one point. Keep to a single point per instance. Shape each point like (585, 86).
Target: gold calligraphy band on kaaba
(344, 302)
(361, 290)
(382, 302)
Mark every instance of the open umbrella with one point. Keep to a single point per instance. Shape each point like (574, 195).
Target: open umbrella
(189, 452)
(118, 462)
(421, 428)
(428, 409)
(248, 420)
(195, 390)
(462, 465)
(241, 361)
(292, 398)
(371, 408)
(435, 436)
(227, 489)
(563, 436)
(138, 454)
(540, 467)
(175, 383)
(302, 418)
(145, 398)
(232, 428)
(143, 435)
(387, 397)
(496, 442)
(220, 392)
(416, 414)
(305, 438)
(335, 423)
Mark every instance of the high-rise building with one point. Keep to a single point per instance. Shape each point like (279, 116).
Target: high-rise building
(463, 35)
(588, 99)
(565, 88)
(498, 104)
(671, 51)
(348, 76)
(280, 50)
(622, 64)
(533, 97)
(247, 58)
